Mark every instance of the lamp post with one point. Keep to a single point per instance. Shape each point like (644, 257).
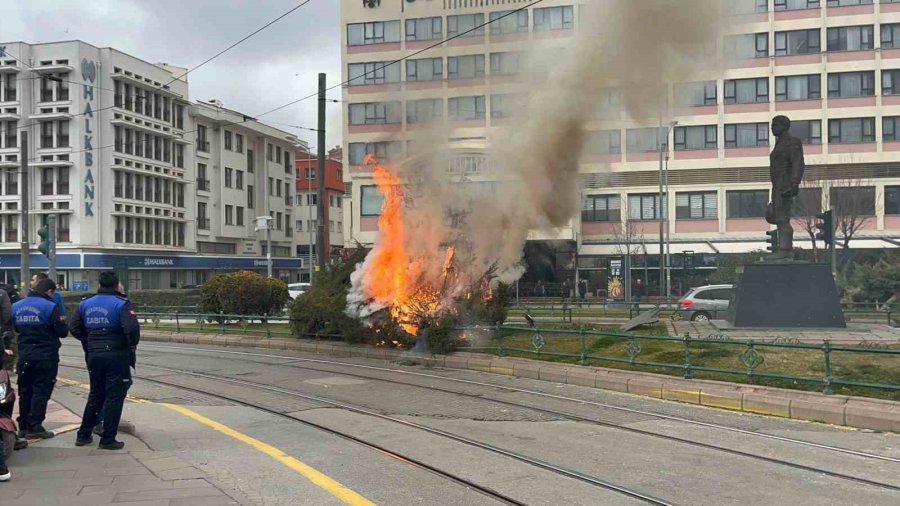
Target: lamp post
(309, 184)
(662, 207)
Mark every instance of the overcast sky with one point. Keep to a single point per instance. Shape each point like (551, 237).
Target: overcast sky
(274, 67)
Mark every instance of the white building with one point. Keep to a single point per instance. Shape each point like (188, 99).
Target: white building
(114, 151)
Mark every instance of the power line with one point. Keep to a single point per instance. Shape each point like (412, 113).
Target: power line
(163, 86)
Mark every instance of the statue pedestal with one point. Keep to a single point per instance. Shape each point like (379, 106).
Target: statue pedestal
(782, 294)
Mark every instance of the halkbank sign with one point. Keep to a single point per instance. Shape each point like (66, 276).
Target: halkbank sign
(89, 74)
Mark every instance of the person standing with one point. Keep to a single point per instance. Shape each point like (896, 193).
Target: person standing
(40, 326)
(6, 330)
(57, 297)
(107, 326)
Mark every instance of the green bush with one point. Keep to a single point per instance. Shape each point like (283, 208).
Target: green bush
(321, 309)
(243, 293)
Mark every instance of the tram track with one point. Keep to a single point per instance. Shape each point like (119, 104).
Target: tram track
(483, 490)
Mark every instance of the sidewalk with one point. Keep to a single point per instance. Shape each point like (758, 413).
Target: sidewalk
(55, 471)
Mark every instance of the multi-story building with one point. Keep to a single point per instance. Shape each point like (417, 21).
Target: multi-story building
(832, 67)
(306, 217)
(112, 152)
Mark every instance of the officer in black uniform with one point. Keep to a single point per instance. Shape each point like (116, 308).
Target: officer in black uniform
(108, 328)
(40, 326)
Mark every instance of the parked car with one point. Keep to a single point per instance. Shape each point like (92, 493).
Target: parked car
(706, 303)
(297, 289)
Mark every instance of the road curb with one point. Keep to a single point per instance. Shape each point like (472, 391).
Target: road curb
(849, 411)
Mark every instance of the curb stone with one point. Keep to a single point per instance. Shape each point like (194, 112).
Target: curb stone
(849, 411)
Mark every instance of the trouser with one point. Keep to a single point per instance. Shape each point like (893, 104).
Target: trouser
(110, 381)
(36, 381)
(783, 221)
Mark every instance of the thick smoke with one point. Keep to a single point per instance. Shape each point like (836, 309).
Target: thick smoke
(636, 47)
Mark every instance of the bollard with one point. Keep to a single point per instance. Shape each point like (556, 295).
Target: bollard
(688, 370)
(826, 347)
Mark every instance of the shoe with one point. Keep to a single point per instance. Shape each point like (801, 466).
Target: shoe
(98, 429)
(20, 434)
(83, 441)
(5, 475)
(21, 444)
(39, 433)
(115, 445)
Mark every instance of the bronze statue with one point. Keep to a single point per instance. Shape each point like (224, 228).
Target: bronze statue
(786, 172)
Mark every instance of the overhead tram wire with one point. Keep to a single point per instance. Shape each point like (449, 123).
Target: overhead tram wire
(163, 86)
(344, 83)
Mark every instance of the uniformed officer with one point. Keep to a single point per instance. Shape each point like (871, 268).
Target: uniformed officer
(40, 326)
(107, 326)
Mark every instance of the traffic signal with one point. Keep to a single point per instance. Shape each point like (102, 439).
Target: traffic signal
(772, 240)
(44, 246)
(825, 224)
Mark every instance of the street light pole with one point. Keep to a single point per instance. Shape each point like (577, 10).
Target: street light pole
(309, 222)
(660, 208)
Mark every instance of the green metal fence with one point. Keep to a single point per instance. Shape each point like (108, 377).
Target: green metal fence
(223, 323)
(688, 355)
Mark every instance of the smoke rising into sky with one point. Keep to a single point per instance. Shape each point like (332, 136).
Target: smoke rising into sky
(530, 181)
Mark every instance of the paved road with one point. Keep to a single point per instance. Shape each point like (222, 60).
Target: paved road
(640, 445)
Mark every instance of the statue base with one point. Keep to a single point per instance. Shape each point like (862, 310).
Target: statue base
(786, 294)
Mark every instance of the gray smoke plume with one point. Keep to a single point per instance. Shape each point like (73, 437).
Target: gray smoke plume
(531, 181)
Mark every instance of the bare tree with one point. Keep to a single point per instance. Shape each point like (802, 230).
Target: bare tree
(805, 208)
(854, 205)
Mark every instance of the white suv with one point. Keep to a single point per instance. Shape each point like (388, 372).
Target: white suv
(706, 303)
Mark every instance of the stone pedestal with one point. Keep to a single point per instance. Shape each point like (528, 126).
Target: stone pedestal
(786, 294)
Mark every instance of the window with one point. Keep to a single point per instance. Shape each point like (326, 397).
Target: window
(229, 214)
(842, 3)
(793, 5)
(644, 140)
(465, 67)
(277, 154)
(466, 108)
(465, 25)
(890, 35)
(202, 143)
(890, 82)
(851, 130)
(270, 152)
(372, 73)
(853, 201)
(239, 216)
(47, 181)
(370, 201)
(311, 199)
(645, 207)
(808, 131)
(10, 87)
(806, 87)
(696, 137)
(287, 161)
(331, 225)
(424, 29)
(384, 151)
(746, 91)
(696, 94)
(554, 18)
(601, 208)
(228, 142)
(278, 188)
(747, 203)
(746, 135)
(807, 203)
(228, 175)
(604, 142)
(696, 206)
(250, 161)
(62, 181)
(509, 22)
(424, 110)
(851, 38)
(503, 106)
(271, 190)
(375, 113)
(797, 42)
(425, 69)
(239, 179)
(738, 7)
(749, 45)
(251, 195)
(892, 200)
(506, 64)
(378, 32)
(851, 84)
(239, 143)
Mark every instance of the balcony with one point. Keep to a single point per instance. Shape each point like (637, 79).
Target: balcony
(202, 184)
(203, 223)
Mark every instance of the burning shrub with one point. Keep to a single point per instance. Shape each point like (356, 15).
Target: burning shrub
(321, 309)
(243, 293)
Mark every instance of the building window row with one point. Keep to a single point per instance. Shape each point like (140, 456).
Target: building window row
(54, 87)
(54, 134)
(148, 188)
(149, 231)
(145, 101)
(234, 142)
(460, 25)
(147, 145)
(470, 66)
(55, 181)
(432, 109)
(809, 41)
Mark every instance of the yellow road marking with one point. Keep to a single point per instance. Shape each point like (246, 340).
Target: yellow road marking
(321, 480)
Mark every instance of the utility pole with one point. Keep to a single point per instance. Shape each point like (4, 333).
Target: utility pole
(51, 238)
(309, 222)
(25, 272)
(321, 205)
(661, 208)
(269, 250)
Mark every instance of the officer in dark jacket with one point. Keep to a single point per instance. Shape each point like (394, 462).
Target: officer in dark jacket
(40, 326)
(107, 326)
